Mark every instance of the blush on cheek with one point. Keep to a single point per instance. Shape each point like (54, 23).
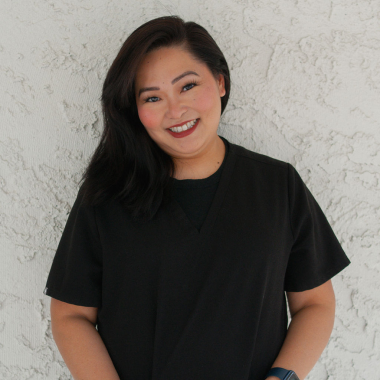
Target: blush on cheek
(207, 99)
(148, 119)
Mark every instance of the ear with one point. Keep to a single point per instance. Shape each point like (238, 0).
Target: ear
(221, 83)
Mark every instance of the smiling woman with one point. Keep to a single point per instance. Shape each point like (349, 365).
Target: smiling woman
(183, 248)
(182, 114)
(167, 73)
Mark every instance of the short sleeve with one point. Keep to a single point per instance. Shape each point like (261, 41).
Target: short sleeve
(316, 254)
(76, 272)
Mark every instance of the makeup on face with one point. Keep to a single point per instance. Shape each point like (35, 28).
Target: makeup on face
(178, 102)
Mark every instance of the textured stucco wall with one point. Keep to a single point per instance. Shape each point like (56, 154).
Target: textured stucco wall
(305, 89)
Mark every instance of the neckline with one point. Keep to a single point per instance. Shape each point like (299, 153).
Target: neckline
(225, 176)
(190, 183)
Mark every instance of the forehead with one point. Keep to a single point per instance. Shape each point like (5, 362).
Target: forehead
(165, 64)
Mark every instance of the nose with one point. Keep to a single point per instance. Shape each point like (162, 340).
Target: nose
(175, 108)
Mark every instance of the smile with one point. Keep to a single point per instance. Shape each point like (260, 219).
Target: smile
(184, 127)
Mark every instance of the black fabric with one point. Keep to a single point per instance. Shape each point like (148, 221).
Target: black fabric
(195, 195)
(175, 302)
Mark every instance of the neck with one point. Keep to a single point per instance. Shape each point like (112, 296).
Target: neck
(202, 166)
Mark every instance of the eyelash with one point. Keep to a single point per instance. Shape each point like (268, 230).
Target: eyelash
(194, 82)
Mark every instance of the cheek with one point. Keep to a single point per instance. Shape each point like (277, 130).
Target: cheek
(147, 117)
(207, 100)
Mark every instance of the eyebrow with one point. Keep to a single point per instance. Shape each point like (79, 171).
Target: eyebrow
(175, 80)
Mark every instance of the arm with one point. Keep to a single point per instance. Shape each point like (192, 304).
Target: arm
(313, 313)
(79, 342)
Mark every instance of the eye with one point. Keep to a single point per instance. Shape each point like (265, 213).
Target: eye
(146, 99)
(193, 83)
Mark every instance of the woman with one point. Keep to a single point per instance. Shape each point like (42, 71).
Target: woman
(182, 248)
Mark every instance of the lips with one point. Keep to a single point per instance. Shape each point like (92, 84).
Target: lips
(180, 125)
(184, 133)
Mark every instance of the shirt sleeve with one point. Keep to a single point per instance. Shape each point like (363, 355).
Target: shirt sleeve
(76, 272)
(316, 254)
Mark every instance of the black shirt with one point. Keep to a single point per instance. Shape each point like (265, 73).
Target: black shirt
(175, 302)
(195, 195)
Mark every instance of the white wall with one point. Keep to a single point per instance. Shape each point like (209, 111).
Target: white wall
(305, 89)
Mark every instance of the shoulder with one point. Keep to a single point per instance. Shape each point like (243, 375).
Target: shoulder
(259, 172)
(253, 158)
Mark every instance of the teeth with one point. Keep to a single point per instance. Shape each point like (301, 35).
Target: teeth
(184, 127)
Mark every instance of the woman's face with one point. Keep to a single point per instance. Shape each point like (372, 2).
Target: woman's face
(184, 90)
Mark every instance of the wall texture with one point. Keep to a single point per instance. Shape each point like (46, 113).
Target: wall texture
(305, 89)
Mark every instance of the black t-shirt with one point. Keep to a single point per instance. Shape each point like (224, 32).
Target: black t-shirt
(195, 195)
(175, 302)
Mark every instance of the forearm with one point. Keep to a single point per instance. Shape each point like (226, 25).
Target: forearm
(82, 349)
(307, 336)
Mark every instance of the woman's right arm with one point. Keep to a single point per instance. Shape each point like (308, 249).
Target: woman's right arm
(79, 342)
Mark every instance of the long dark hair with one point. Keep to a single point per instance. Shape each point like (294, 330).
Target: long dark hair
(128, 165)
